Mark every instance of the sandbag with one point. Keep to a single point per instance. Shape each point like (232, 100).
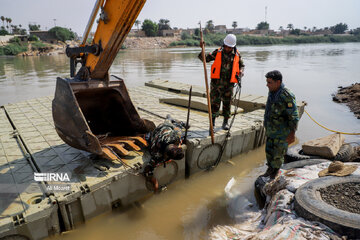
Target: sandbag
(326, 147)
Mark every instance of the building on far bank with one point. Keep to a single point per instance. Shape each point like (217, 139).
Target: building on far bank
(237, 31)
(220, 29)
(44, 36)
(189, 31)
(168, 33)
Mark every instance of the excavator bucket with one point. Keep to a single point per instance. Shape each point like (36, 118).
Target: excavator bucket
(90, 111)
(95, 116)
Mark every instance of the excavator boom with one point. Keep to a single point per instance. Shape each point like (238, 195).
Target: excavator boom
(91, 111)
(116, 19)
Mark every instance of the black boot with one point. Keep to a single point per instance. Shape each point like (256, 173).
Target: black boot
(271, 172)
(225, 124)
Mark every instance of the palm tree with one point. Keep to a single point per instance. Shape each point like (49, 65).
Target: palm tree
(164, 24)
(290, 26)
(3, 20)
(10, 20)
(234, 24)
(137, 24)
(210, 25)
(7, 22)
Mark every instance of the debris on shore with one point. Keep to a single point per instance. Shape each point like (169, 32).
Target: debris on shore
(279, 218)
(351, 96)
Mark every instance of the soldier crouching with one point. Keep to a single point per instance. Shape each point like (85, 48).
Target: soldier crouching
(164, 145)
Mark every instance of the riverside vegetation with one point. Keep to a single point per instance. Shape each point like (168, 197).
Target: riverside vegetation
(33, 43)
(216, 39)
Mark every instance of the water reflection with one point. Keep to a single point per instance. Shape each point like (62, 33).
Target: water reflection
(262, 55)
(23, 78)
(335, 52)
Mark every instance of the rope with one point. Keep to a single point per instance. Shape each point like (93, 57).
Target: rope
(328, 128)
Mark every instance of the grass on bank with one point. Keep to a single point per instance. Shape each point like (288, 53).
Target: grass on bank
(217, 40)
(16, 47)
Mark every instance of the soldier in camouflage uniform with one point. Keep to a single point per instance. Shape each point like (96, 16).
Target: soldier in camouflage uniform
(165, 142)
(280, 121)
(222, 84)
(164, 145)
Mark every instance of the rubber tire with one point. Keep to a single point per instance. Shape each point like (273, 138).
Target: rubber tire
(294, 153)
(309, 204)
(345, 153)
(302, 163)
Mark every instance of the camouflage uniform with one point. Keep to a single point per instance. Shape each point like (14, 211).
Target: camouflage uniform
(281, 117)
(222, 89)
(163, 135)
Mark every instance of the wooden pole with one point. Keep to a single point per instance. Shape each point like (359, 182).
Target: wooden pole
(202, 44)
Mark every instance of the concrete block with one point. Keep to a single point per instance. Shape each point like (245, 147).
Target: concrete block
(326, 147)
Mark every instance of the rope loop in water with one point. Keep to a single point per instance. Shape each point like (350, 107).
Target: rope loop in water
(328, 128)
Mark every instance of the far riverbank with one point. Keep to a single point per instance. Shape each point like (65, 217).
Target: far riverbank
(41, 48)
(242, 40)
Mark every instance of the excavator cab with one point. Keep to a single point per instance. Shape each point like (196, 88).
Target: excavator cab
(91, 110)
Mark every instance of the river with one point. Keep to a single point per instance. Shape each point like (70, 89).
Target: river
(188, 209)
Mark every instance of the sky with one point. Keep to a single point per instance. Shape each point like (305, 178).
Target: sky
(74, 14)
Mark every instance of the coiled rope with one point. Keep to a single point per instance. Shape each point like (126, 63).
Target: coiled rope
(328, 128)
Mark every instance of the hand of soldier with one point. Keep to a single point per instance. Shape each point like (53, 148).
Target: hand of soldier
(291, 137)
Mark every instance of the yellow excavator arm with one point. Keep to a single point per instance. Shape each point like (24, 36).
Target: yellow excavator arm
(92, 111)
(116, 19)
(115, 22)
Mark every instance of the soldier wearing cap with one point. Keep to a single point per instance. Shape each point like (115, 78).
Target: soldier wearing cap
(280, 121)
(226, 70)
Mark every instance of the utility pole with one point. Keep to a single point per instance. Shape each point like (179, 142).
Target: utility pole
(265, 13)
(54, 21)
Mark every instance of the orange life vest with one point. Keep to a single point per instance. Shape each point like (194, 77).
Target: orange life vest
(216, 67)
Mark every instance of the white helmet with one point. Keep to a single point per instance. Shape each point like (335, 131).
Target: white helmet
(230, 40)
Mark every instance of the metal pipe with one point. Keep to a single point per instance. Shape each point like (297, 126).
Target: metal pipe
(94, 12)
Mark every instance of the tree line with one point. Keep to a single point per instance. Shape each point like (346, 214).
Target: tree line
(10, 28)
(152, 29)
(339, 28)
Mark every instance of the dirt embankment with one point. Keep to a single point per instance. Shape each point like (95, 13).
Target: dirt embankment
(149, 42)
(351, 96)
(49, 49)
(130, 43)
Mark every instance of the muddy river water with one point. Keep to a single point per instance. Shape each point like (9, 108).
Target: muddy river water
(190, 208)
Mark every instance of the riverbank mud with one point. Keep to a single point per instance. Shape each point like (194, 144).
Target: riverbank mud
(351, 96)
